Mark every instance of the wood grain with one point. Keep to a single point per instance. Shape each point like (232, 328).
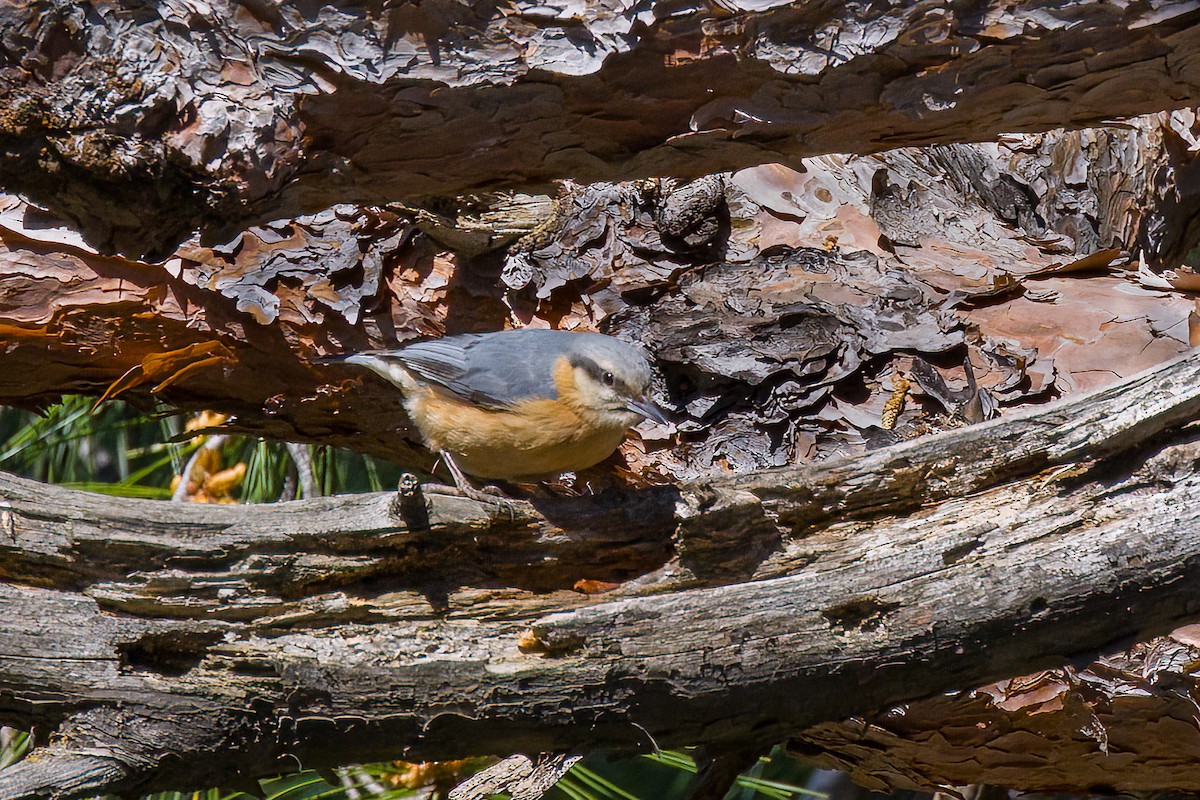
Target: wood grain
(331, 630)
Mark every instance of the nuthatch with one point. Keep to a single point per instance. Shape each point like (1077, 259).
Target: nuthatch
(518, 404)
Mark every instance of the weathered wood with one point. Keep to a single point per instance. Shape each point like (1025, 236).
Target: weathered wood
(330, 630)
(518, 776)
(146, 122)
(70, 775)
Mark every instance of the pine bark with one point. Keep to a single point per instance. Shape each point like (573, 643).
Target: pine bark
(142, 123)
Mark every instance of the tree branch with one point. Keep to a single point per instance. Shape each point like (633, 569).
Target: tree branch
(330, 630)
(518, 776)
(61, 776)
(444, 99)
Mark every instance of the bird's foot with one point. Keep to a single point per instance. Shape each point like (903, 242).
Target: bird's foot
(486, 494)
(492, 495)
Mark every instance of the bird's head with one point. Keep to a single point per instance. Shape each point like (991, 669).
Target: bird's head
(612, 380)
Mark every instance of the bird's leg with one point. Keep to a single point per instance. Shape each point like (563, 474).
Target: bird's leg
(488, 495)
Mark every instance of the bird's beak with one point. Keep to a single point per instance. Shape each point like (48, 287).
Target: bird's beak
(645, 407)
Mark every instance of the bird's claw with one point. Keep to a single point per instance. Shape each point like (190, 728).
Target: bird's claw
(488, 495)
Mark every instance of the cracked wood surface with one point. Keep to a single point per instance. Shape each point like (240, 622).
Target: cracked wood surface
(146, 122)
(333, 629)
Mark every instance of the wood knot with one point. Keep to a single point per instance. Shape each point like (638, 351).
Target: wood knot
(535, 642)
(859, 613)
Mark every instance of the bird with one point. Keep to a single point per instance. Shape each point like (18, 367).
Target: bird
(518, 405)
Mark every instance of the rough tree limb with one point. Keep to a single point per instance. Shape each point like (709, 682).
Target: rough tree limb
(332, 630)
(145, 122)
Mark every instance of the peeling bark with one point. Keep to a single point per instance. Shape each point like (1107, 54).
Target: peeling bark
(334, 630)
(143, 123)
(781, 332)
(1063, 730)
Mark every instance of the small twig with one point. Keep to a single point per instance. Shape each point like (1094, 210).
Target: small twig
(302, 458)
(409, 503)
(180, 495)
(518, 776)
(653, 743)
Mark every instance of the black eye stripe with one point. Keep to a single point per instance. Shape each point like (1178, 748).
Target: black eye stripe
(598, 374)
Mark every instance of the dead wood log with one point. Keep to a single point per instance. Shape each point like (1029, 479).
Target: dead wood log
(145, 122)
(331, 630)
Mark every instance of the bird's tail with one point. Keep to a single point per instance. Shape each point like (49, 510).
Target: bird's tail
(390, 369)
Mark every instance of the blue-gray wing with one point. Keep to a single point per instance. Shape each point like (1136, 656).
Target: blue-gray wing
(496, 370)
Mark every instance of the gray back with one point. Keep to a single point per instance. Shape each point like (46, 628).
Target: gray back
(503, 368)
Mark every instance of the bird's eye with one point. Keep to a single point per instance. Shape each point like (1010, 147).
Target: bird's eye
(608, 379)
